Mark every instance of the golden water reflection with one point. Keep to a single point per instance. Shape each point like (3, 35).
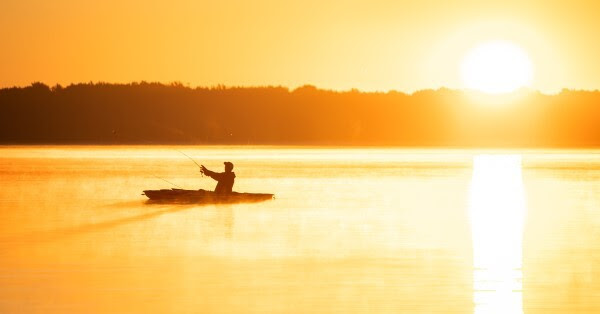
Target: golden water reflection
(497, 212)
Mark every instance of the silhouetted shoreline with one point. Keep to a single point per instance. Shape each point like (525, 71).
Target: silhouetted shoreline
(152, 113)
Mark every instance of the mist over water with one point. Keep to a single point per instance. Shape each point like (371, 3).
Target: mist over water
(349, 231)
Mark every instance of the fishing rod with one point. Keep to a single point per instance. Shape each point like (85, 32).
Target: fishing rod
(115, 135)
(192, 159)
(172, 182)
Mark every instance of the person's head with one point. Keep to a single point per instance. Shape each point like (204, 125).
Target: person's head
(228, 166)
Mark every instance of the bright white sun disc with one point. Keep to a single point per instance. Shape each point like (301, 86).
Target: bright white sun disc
(496, 67)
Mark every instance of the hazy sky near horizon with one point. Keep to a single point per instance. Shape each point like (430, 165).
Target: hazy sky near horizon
(370, 45)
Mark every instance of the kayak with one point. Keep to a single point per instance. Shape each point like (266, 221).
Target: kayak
(203, 196)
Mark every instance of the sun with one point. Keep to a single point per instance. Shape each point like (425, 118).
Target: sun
(496, 67)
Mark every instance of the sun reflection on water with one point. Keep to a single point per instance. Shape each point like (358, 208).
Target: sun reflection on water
(497, 213)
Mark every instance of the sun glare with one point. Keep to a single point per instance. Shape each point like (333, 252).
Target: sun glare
(496, 67)
(497, 213)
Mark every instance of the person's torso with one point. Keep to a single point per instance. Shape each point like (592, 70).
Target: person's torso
(226, 182)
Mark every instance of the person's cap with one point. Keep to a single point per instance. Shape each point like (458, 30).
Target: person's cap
(228, 164)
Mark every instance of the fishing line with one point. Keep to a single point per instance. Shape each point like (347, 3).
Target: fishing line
(167, 181)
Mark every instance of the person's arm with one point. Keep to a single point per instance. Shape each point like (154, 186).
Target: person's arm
(212, 174)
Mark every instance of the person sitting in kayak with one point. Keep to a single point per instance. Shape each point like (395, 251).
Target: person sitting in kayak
(225, 179)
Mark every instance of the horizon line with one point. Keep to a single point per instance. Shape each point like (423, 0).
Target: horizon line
(520, 90)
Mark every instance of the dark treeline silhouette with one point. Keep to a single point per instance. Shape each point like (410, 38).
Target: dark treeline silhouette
(153, 113)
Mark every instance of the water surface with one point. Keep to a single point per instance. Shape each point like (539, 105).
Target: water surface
(350, 231)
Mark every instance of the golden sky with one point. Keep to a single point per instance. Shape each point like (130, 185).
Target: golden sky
(370, 45)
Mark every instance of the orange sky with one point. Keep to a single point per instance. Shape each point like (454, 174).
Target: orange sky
(370, 45)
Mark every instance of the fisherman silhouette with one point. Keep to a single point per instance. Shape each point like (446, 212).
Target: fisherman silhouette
(225, 179)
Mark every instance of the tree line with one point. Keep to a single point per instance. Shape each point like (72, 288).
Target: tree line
(154, 113)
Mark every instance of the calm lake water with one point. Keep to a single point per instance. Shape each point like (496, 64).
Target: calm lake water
(350, 231)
